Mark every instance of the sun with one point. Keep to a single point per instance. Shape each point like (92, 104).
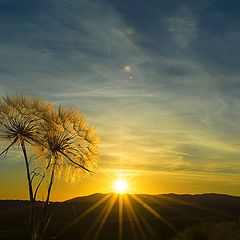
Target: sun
(121, 186)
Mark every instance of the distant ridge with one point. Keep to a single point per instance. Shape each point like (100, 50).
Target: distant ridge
(97, 196)
(186, 197)
(93, 197)
(198, 194)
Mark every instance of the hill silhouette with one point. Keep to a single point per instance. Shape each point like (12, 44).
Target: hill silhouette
(89, 198)
(143, 216)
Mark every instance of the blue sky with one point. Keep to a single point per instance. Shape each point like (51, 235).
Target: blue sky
(179, 115)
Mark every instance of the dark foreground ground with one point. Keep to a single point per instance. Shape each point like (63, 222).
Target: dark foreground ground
(160, 217)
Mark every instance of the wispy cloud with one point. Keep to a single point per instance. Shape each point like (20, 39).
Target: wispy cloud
(183, 26)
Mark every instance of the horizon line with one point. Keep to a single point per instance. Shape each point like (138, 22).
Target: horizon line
(170, 193)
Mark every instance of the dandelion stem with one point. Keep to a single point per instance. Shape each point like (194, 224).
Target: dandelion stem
(28, 170)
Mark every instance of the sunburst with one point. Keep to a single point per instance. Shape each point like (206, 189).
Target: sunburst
(120, 186)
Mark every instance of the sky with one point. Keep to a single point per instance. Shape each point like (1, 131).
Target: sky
(170, 125)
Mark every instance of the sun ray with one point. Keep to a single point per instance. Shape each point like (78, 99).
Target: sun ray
(110, 206)
(134, 215)
(157, 215)
(131, 220)
(76, 220)
(120, 215)
(153, 199)
(194, 205)
(98, 219)
(147, 225)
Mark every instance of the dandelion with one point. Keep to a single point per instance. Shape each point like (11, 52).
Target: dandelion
(59, 138)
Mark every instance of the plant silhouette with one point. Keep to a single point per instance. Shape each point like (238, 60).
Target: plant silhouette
(59, 139)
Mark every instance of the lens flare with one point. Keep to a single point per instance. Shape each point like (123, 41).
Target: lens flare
(127, 69)
(130, 31)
